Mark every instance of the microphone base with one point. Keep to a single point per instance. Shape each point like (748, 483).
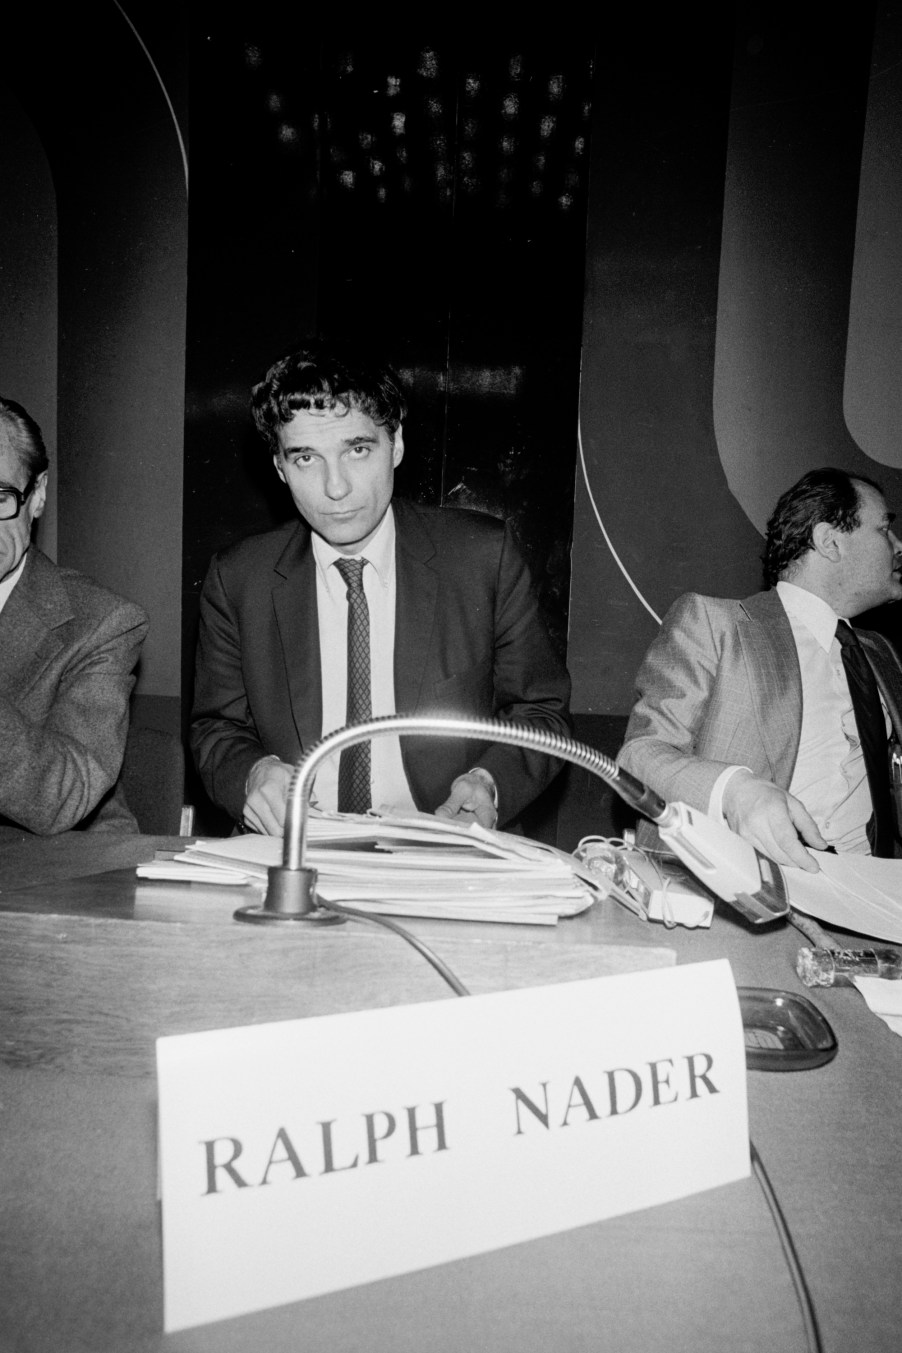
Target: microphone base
(290, 896)
(261, 915)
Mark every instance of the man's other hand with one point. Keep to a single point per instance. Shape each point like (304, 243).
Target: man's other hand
(772, 820)
(267, 796)
(470, 800)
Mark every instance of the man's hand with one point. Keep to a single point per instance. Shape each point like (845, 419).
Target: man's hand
(470, 800)
(267, 796)
(772, 820)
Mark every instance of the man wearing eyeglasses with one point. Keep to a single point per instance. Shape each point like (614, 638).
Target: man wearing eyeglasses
(67, 651)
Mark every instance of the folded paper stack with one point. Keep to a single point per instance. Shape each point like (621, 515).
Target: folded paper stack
(406, 866)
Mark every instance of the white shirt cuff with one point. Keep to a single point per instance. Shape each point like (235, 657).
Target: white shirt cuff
(272, 757)
(715, 802)
(488, 780)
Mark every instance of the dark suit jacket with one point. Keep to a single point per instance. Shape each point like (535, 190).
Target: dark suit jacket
(67, 651)
(469, 641)
(720, 686)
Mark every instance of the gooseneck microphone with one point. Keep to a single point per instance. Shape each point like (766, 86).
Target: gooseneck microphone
(731, 867)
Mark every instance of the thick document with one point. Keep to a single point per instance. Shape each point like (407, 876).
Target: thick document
(407, 866)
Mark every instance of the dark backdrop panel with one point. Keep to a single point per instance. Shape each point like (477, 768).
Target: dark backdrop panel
(653, 250)
(797, 123)
(103, 84)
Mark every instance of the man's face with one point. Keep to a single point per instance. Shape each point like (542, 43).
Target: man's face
(15, 534)
(872, 556)
(340, 469)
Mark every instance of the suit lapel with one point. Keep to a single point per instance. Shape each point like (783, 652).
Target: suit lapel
(294, 605)
(772, 666)
(415, 605)
(36, 607)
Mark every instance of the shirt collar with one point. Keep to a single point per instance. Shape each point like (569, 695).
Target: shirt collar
(817, 615)
(379, 553)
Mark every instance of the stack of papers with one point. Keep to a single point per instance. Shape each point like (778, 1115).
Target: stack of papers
(410, 866)
(852, 892)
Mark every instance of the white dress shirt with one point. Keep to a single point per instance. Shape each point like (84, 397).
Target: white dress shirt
(829, 777)
(389, 783)
(7, 585)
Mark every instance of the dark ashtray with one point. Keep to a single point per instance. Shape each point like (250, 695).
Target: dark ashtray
(783, 1031)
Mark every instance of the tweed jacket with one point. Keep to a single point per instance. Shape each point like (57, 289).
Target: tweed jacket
(469, 641)
(720, 686)
(67, 652)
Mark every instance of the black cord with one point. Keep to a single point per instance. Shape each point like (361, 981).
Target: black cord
(441, 968)
(794, 1264)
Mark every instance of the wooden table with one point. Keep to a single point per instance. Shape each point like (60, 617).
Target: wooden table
(92, 971)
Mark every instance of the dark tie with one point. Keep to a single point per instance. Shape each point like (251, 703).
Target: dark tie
(354, 765)
(872, 732)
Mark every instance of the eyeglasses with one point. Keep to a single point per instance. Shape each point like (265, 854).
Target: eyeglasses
(13, 500)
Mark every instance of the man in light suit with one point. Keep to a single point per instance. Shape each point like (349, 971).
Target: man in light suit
(454, 627)
(67, 652)
(744, 708)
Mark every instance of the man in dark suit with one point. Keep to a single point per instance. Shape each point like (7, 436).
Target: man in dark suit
(744, 708)
(67, 652)
(452, 622)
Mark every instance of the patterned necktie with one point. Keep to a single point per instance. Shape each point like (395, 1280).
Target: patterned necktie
(354, 764)
(872, 732)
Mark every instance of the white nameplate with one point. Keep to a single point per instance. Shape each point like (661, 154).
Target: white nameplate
(303, 1157)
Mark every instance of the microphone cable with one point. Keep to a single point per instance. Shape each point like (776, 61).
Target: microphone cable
(430, 956)
(793, 1262)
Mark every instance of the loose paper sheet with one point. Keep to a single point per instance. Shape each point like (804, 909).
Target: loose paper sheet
(884, 997)
(852, 892)
(308, 1156)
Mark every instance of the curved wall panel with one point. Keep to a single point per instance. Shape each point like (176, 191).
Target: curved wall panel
(28, 284)
(873, 390)
(721, 271)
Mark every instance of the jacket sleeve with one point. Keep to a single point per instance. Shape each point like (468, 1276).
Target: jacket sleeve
(59, 765)
(674, 691)
(531, 685)
(224, 739)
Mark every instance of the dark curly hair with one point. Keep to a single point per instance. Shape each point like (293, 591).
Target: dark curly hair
(821, 495)
(25, 437)
(321, 375)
